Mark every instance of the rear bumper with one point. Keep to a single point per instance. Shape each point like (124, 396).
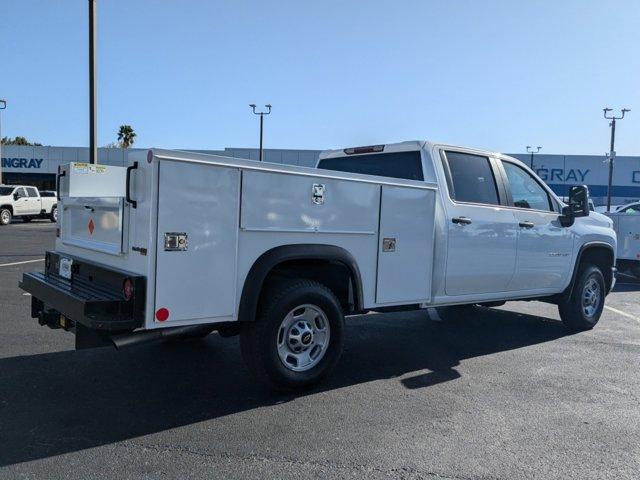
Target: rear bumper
(92, 298)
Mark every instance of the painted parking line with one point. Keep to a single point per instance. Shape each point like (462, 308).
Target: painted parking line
(21, 263)
(624, 314)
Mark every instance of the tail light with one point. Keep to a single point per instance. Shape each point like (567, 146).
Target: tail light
(127, 289)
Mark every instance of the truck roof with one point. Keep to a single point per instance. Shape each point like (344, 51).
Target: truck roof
(406, 146)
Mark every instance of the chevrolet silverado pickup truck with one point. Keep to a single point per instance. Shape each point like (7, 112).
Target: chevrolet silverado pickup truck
(27, 203)
(180, 244)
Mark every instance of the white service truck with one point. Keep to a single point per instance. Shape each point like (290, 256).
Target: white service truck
(626, 223)
(180, 244)
(27, 203)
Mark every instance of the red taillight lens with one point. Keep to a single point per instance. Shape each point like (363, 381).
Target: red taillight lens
(127, 289)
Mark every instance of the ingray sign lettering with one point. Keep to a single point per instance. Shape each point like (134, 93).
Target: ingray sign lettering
(22, 163)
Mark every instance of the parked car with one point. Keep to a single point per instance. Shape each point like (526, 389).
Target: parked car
(180, 244)
(27, 203)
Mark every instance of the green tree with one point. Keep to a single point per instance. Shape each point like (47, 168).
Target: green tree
(18, 141)
(126, 136)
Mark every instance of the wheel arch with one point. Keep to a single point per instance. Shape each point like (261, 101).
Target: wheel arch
(323, 260)
(600, 254)
(8, 206)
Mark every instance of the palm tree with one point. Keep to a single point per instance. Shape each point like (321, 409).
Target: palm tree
(126, 136)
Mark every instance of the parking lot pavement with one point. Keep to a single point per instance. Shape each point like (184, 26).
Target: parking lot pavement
(500, 393)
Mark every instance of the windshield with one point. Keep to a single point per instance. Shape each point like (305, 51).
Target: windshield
(6, 190)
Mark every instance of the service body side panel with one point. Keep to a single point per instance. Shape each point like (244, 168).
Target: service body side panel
(405, 253)
(279, 209)
(196, 284)
(282, 202)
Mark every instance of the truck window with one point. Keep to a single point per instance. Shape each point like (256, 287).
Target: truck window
(525, 190)
(470, 179)
(393, 164)
(32, 192)
(20, 193)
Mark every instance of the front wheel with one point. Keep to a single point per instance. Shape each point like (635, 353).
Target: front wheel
(5, 216)
(298, 335)
(582, 310)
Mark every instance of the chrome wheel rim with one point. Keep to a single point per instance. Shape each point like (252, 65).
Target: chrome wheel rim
(5, 216)
(303, 337)
(55, 214)
(591, 296)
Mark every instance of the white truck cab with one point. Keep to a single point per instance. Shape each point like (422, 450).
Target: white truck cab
(26, 202)
(181, 244)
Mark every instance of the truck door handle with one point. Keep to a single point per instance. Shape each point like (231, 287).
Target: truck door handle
(527, 224)
(461, 220)
(127, 194)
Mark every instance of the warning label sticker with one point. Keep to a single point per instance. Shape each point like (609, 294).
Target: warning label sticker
(80, 168)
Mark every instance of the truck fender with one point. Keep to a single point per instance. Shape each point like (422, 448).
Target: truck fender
(607, 272)
(272, 258)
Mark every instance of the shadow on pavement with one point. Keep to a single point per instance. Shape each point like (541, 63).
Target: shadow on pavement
(62, 402)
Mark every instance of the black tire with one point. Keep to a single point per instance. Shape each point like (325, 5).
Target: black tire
(259, 339)
(574, 310)
(5, 216)
(27, 219)
(52, 215)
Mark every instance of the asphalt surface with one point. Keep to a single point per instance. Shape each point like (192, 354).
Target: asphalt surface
(500, 394)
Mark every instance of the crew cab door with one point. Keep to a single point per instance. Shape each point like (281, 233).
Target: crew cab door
(34, 205)
(20, 202)
(544, 246)
(482, 233)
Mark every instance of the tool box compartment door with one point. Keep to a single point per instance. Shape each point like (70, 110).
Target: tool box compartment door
(196, 243)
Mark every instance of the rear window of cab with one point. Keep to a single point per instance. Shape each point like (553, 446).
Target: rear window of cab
(407, 165)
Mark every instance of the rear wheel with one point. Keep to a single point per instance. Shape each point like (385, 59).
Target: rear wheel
(582, 310)
(53, 216)
(298, 336)
(5, 216)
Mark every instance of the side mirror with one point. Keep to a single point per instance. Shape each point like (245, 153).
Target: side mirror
(578, 205)
(16, 196)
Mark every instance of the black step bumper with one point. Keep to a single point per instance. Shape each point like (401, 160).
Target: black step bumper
(93, 297)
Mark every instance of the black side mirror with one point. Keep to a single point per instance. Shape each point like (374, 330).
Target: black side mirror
(578, 205)
(16, 196)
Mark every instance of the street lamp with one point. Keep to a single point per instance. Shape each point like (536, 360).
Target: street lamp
(612, 151)
(532, 151)
(3, 105)
(93, 89)
(262, 114)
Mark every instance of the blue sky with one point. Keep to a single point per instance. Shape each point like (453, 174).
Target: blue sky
(491, 74)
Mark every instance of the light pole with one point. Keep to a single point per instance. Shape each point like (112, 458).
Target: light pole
(532, 152)
(93, 117)
(262, 114)
(3, 105)
(612, 151)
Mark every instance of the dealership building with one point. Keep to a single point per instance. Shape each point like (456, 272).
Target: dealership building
(31, 165)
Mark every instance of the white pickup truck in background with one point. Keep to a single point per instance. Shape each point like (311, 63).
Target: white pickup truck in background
(180, 244)
(27, 203)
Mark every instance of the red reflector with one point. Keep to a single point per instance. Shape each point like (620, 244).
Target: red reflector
(162, 314)
(368, 149)
(127, 289)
